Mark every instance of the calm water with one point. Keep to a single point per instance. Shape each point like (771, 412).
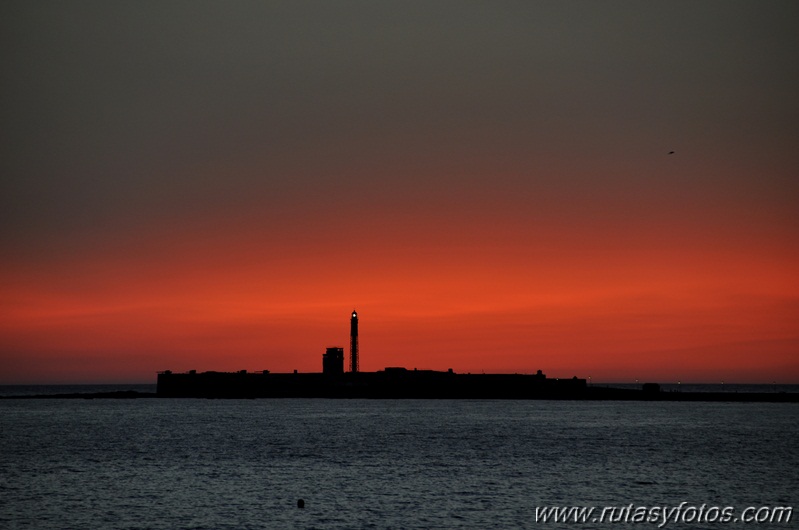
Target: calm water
(382, 464)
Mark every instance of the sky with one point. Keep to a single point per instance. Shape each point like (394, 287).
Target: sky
(600, 189)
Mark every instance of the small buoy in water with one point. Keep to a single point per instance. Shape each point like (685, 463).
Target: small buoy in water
(300, 503)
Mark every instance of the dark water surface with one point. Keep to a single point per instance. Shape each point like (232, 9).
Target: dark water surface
(213, 464)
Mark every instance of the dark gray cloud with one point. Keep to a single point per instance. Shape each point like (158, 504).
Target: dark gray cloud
(115, 113)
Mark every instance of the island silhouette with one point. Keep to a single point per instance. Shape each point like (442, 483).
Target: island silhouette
(403, 383)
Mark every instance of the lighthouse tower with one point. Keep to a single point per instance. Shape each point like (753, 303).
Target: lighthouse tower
(354, 342)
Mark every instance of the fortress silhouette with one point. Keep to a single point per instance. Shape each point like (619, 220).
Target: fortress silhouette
(402, 383)
(392, 382)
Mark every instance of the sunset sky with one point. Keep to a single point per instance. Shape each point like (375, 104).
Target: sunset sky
(216, 185)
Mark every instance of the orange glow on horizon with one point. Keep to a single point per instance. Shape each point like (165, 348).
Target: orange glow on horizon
(650, 314)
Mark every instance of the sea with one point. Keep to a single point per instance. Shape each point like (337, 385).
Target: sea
(482, 464)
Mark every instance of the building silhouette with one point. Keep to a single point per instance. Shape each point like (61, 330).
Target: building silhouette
(333, 361)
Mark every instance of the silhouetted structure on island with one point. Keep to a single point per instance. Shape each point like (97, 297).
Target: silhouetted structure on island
(392, 383)
(395, 383)
(333, 362)
(388, 383)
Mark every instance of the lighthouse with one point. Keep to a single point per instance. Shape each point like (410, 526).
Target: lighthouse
(354, 342)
